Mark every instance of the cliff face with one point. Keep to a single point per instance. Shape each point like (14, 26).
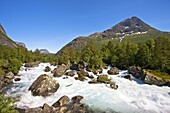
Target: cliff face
(4, 39)
(2, 30)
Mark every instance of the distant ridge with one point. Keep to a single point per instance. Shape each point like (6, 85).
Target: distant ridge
(128, 27)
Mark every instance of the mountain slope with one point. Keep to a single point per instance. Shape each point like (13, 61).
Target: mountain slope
(44, 51)
(132, 29)
(4, 39)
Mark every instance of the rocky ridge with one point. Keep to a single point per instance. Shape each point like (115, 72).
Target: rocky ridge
(4, 39)
(129, 26)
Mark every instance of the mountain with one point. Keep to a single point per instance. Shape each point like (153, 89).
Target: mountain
(4, 39)
(2, 30)
(21, 44)
(44, 51)
(131, 29)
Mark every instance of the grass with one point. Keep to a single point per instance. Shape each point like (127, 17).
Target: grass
(141, 38)
(158, 74)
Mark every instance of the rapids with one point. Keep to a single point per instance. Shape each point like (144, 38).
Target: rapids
(131, 96)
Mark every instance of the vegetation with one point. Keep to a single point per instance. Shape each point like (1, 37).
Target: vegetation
(152, 54)
(11, 58)
(103, 79)
(164, 76)
(7, 104)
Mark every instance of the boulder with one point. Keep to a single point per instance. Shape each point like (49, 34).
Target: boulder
(47, 109)
(137, 72)
(98, 71)
(65, 77)
(9, 75)
(113, 85)
(44, 85)
(34, 110)
(79, 66)
(74, 67)
(103, 78)
(77, 99)
(113, 71)
(17, 79)
(47, 69)
(63, 101)
(93, 81)
(60, 70)
(70, 73)
(129, 77)
(63, 105)
(8, 78)
(151, 78)
(32, 64)
(83, 73)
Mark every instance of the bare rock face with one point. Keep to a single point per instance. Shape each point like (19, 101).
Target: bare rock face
(2, 29)
(5, 40)
(44, 85)
(21, 44)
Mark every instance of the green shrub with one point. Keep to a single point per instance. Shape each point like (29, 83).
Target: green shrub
(7, 104)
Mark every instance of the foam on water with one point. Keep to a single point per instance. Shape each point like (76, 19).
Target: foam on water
(131, 96)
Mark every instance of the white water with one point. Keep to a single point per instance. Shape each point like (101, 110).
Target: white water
(130, 97)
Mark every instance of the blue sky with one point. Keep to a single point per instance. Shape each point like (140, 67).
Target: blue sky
(51, 24)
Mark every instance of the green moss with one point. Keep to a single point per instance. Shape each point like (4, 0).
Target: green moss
(103, 78)
(161, 75)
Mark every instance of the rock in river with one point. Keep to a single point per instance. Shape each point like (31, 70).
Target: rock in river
(44, 85)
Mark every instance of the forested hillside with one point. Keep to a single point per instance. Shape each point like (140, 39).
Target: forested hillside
(152, 54)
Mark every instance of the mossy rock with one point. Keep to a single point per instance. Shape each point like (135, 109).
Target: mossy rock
(156, 78)
(103, 78)
(70, 73)
(32, 64)
(113, 71)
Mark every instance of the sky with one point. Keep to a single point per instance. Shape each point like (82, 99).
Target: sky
(51, 24)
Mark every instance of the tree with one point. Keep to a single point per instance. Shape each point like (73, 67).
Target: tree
(162, 54)
(143, 56)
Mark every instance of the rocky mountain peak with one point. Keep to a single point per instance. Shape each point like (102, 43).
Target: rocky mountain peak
(2, 29)
(21, 44)
(44, 51)
(5, 40)
(132, 25)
